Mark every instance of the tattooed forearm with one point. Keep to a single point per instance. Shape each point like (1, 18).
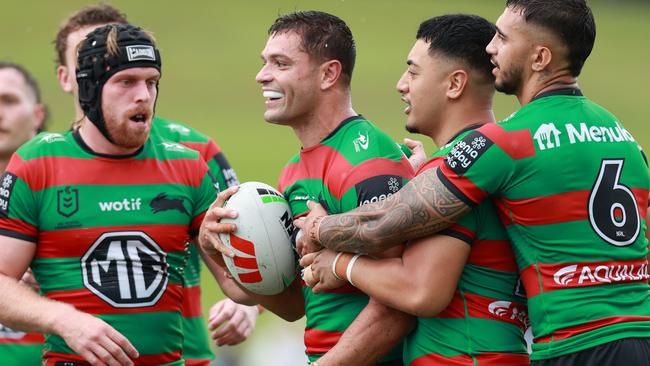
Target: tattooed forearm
(423, 207)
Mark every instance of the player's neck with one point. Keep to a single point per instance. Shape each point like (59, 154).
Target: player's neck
(4, 161)
(98, 143)
(460, 118)
(542, 83)
(321, 122)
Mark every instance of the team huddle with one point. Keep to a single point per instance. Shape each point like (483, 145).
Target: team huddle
(407, 259)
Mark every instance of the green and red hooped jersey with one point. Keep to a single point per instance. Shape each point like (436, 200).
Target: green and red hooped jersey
(356, 164)
(571, 185)
(111, 234)
(196, 345)
(20, 348)
(485, 322)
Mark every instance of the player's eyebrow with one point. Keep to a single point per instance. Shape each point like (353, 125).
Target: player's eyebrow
(500, 33)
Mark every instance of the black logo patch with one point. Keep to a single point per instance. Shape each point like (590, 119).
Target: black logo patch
(227, 171)
(125, 269)
(377, 188)
(67, 203)
(7, 185)
(467, 151)
(162, 203)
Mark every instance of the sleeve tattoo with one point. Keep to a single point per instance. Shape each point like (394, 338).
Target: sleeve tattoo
(423, 207)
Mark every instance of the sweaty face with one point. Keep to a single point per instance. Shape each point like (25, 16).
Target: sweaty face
(423, 87)
(289, 80)
(509, 49)
(20, 115)
(128, 100)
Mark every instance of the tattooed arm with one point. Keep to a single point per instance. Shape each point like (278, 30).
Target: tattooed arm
(423, 207)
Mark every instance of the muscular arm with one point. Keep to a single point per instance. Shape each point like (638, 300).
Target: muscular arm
(423, 207)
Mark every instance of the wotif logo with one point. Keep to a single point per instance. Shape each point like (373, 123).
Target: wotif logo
(565, 275)
(127, 204)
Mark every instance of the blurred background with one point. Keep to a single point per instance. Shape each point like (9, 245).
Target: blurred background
(210, 52)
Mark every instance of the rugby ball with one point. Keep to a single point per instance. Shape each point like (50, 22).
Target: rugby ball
(265, 262)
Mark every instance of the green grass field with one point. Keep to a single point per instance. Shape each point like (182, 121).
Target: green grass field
(211, 50)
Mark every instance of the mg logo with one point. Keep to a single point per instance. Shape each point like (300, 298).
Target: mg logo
(547, 136)
(126, 269)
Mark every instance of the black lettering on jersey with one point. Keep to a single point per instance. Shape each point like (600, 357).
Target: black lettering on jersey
(162, 203)
(126, 269)
(467, 151)
(7, 183)
(377, 188)
(228, 172)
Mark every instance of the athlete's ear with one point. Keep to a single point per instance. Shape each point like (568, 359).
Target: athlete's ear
(65, 79)
(457, 81)
(330, 73)
(542, 57)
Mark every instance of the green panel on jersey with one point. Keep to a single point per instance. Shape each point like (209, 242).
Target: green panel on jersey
(192, 273)
(489, 283)
(323, 305)
(20, 354)
(196, 345)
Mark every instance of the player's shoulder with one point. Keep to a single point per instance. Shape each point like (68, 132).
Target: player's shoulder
(176, 131)
(357, 139)
(47, 144)
(165, 149)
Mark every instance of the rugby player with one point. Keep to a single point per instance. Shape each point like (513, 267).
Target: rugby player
(345, 161)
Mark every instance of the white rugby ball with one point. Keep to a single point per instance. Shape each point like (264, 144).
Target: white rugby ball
(264, 261)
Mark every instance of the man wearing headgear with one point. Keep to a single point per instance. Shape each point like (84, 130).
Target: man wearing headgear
(103, 214)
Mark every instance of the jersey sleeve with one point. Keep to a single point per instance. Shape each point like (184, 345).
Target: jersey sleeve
(484, 161)
(18, 209)
(205, 194)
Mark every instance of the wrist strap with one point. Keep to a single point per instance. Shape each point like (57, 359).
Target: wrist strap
(336, 259)
(348, 271)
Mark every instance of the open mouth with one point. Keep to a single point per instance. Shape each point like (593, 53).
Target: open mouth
(139, 117)
(408, 107)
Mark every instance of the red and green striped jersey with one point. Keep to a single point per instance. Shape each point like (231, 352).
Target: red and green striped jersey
(571, 186)
(19, 348)
(111, 233)
(485, 322)
(196, 345)
(357, 163)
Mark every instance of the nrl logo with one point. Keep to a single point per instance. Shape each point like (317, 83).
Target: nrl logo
(67, 201)
(172, 146)
(51, 137)
(361, 142)
(178, 128)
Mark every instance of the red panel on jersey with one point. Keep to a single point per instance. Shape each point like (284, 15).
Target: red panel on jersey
(320, 341)
(517, 144)
(483, 359)
(192, 302)
(494, 254)
(594, 324)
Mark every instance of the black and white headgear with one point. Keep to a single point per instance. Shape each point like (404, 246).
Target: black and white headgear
(95, 65)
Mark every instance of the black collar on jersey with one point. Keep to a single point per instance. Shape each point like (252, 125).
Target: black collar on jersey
(343, 123)
(85, 147)
(572, 92)
(468, 128)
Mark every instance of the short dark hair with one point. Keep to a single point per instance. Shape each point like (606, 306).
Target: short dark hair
(571, 20)
(324, 37)
(32, 84)
(460, 36)
(91, 15)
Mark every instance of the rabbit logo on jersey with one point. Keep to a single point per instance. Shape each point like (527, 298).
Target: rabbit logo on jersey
(467, 151)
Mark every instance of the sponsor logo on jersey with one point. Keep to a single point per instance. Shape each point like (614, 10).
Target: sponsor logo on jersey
(127, 204)
(172, 146)
(125, 269)
(547, 136)
(467, 151)
(509, 310)
(67, 203)
(8, 333)
(163, 203)
(362, 141)
(6, 187)
(377, 188)
(178, 128)
(51, 137)
(577, 275)
(140, 52)
(230, 177)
